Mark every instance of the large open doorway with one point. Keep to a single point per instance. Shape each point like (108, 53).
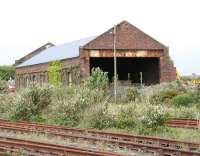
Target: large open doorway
(130, 69)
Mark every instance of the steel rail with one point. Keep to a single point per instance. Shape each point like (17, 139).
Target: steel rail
(121, 139)
(183, 123)
(54, 149)
(105, 134)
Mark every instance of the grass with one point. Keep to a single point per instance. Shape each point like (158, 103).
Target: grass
(142, 110)
(183, 134)
(81, 143)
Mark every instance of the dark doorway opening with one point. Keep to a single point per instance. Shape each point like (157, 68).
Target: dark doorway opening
(130, 69)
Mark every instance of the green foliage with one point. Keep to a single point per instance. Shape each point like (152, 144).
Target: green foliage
(90, 105)
(98, 79)
(99, 117)
(6, 72)
(126, 119)
(185, 112)
(38, 118)
(6, 103)
(54, 73)
(154, 117)
(18, 152)
(131, 94)
(3, 86)
(70, 102)
(164, 96)
(184, 99)
(31, 102)
(67, 114)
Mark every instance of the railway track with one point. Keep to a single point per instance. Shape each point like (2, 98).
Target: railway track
(122, 140)
(184, 123)
(37, 148)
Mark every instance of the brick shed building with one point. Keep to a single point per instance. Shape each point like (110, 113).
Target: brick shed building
(136, 53)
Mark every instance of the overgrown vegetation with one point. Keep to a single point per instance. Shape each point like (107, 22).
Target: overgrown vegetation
(54, 73)
(3, 86)
(143, 110)
(7, 72)
(31, 102)
(98, 79)
(153, 119)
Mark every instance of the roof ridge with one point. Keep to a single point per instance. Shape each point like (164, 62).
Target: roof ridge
(33, 53)
(61, 51)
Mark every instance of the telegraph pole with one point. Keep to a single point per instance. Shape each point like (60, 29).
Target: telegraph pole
(115, 64)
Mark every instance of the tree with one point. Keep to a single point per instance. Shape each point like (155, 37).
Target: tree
(6, 72)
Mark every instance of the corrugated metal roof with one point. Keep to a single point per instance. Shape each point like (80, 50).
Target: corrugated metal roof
(59, 52)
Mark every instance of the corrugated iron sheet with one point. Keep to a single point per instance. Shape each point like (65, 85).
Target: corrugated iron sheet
(59, 52)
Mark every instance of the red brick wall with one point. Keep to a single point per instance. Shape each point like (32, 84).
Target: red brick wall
(130, 42)
(39, 71)
(167, 69)
(43, 67)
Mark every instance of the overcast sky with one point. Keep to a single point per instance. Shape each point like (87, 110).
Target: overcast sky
(27, 24)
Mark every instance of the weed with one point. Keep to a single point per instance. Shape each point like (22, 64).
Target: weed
(185, 99)
(31, 102)
(126, 118)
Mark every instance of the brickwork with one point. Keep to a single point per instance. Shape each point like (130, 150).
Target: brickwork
(167, 69)
(130, 42)
(38, 73)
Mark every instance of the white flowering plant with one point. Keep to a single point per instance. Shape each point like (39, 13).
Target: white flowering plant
(154, 117)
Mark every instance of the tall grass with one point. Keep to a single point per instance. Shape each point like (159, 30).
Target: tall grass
(90, 105)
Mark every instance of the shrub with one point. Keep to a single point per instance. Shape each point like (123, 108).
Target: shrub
(54, 74)
(98, 79)
(131, 94)
(185, 112)
(125, 119)
(68, 114)
(154, 118)
(164, 96)
(69, 103)
(183, 100)
(98, 117)
(6, 103)
(7, 72)
(3, 87)
(31, 102)
(196, 96)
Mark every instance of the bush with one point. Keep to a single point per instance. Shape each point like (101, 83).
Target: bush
(7, 72)
(183, 100)
(31, 102)
(164, 96)
(98, 117)
(54, 73)
(125, 119)
(66, 108)
(131, 94)
(68, 114)
(98, 79)
(6, 103)
(154, 118)
(185, 112)
(3, 87)
(69, 103)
